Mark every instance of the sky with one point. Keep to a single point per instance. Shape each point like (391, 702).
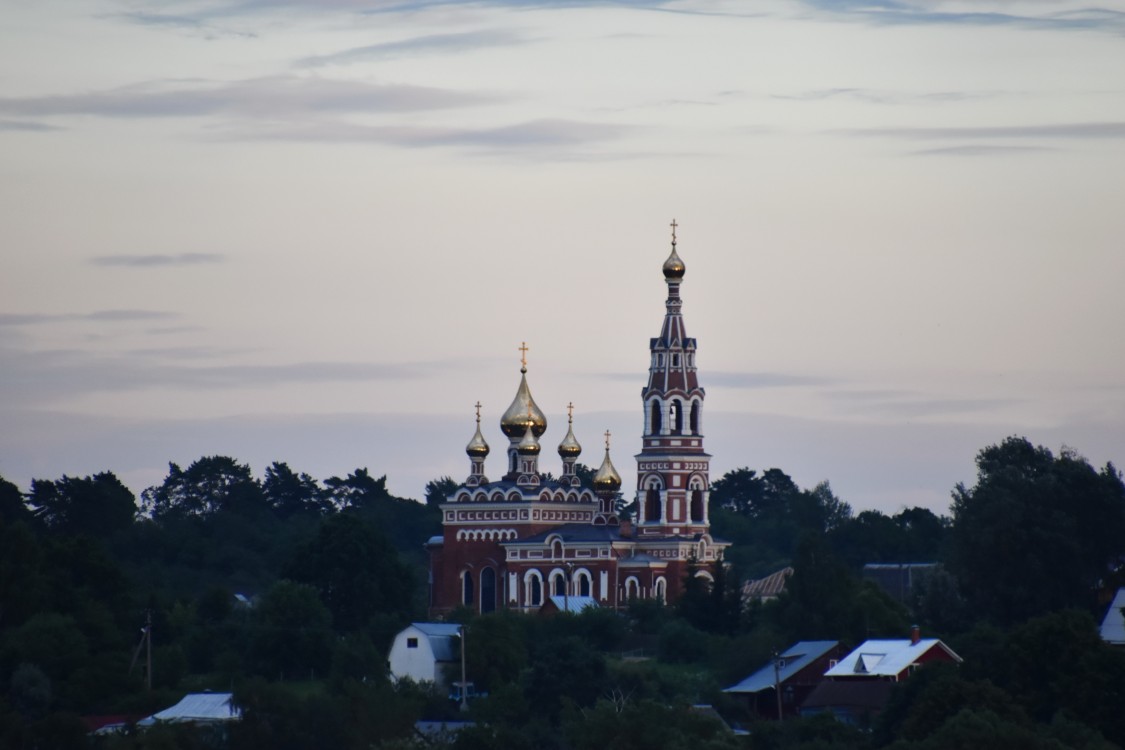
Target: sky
(317, 232)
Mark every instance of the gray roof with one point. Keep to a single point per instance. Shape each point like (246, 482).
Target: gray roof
(796, 657)
(1113, 626)
(574, 603)
(197, 707)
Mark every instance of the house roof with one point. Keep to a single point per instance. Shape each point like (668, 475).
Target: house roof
(794, 659)
(441, 635)
(1113, 626)
(767, 587)
(879, 658)
(573, 603)
(199, 707)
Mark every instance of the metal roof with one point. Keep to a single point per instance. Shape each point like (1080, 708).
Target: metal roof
(878, 658)
(769, 587)
(197, 707)
(795, 658)
(440, 635)
(1113, 626)
(574, 603)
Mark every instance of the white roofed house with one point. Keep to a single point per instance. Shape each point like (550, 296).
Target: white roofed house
(422, 650)
(1113, 624)
(857, 688)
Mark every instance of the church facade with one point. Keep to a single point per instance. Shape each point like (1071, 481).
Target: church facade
(514, 542)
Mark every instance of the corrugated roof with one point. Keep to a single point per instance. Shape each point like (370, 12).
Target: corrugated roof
(795, 658)
(441, 636)
(1113, 626)
(574, 603)
(879, 658)
(197, 707)
(768, 587)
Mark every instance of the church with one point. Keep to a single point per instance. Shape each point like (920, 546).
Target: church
(516, 541)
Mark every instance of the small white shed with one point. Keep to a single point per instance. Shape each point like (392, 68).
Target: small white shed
(422, 649)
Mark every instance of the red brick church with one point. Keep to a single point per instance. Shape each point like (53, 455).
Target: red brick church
(518, 540)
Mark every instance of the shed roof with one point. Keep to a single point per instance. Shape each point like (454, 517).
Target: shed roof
(770, 586)
(885, 658)
(440, 635)
(574, 603)
(795, 658)
(197, 707)
(1113, 626)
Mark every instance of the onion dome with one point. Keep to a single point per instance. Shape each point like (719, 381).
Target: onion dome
(477, 447)
(569, 447)
(607, 479)
(674, 267)
(528, 446)
(523, 412)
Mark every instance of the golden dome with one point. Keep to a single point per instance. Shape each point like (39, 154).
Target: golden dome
(569, 447)
(674, 267)
(528, 446)
(607, 479)
(477, 448)
(523, 412)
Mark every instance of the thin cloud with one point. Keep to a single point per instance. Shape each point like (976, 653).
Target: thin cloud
(904, 404)
(890, 12)
(1073, 130)
(261, 98)
(432, 43)
(26, 126)
(875, 96)
(156, 261)
(981, 150)
(102, 316)
(535, 134)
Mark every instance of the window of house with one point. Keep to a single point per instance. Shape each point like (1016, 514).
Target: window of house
(412, 643)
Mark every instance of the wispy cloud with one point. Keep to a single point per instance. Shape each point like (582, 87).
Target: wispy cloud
(1074, 130)
(433, 43)
(906, 404)
(536, 134)
(26, 126)
(102, 316)
(259, 98)
(195, 24)
(892, 12)
(156, 261)
(981, 150)
(876, 96)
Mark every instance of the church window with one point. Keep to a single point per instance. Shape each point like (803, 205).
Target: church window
(534, 590)
(675, 417)
(694, 423)
(652, 505)
(675, 360)
(697, 506)
(557, 550)
(467, 589)
(558, 585)
(632, 588)
(487, 590)
(655, 420)
(660, 589)
(584, 583)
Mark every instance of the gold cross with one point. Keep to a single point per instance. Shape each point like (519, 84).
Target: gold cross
(570, 413)
(523, 353)
(478, 411)
(607, 440)
(674, 225)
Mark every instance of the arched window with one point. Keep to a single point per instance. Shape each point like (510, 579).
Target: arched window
(558, 584)
(487, 590)
(557, 550)
(694, 422)
(632, 588)
(660, 589)
(652, 505)
(654, 418)
(467, 588)
(534, 585)
(585, 584)
(697, 508)
(676, 417)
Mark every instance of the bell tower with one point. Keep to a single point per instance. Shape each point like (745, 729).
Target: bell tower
(673, 470)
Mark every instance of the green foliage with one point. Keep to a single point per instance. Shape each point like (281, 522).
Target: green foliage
(98, 504)
(209, 485)
(12, 506)
(1036, 532)
(293, 635)
(644, 725)
(438, 490)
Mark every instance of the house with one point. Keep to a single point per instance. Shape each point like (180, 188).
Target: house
(197, 708)
(422, 650)
(572, 604)
(857, 688)
(766, 589)
(1113, 625)
(798, 670)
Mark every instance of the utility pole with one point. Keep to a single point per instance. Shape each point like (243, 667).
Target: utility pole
(464, 683)
(566, 585)
(777, 683)
(146, 644)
